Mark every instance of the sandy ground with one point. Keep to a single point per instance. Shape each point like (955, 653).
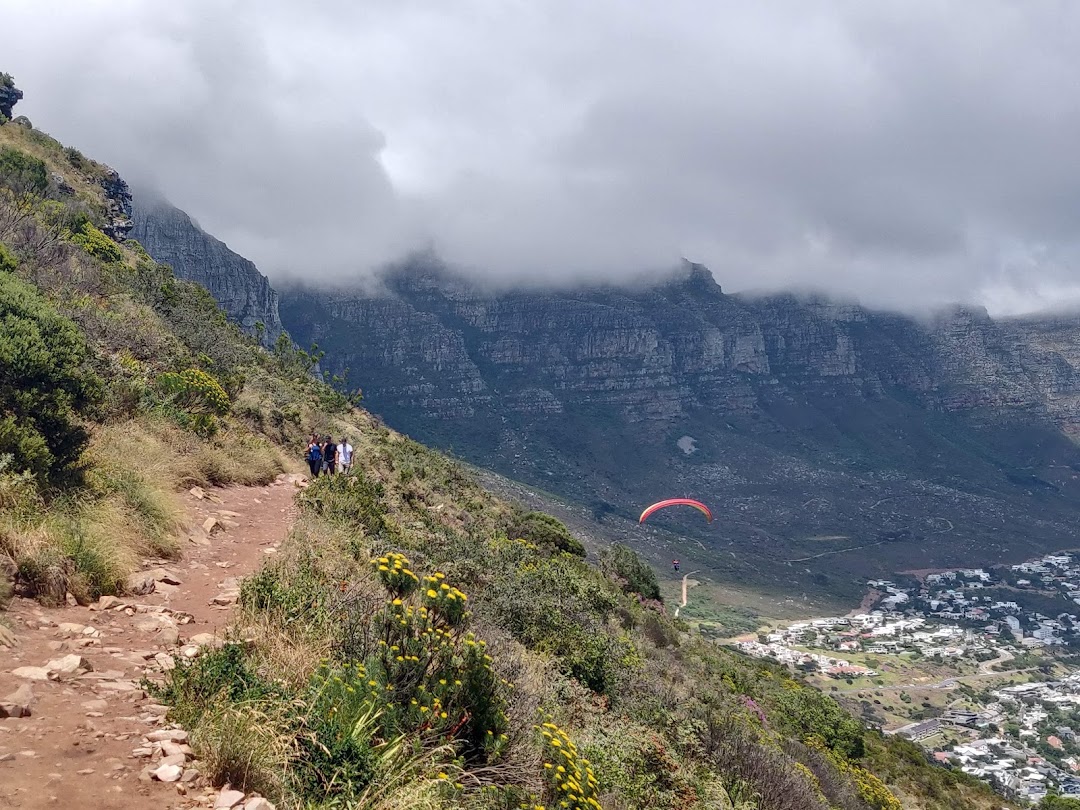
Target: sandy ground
(76, 748)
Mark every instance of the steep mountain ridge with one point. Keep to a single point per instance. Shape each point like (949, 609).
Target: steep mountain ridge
(171, 237)
(936, 442)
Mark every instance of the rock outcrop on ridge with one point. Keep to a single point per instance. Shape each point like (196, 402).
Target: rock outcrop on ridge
(171, 237)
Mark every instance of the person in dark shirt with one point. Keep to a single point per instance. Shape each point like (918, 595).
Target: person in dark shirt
(314, 456)
(329, 455)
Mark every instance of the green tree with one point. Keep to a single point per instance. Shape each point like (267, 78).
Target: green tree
(44, 382)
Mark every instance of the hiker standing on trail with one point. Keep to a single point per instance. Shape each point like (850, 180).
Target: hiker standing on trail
(329, 456)
(314, 456)
(345, 451)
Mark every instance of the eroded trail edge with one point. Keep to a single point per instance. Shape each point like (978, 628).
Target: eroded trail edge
(77, 669)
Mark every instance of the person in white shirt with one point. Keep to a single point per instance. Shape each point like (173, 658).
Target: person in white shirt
(345, 452)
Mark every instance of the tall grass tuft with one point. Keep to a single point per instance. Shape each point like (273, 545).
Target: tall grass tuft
(405, 773)
(247, 744)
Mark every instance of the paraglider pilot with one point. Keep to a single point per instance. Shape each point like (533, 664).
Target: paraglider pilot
(675, 564)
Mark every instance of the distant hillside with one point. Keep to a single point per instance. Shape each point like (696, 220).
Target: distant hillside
(810, 427)
(172, 238)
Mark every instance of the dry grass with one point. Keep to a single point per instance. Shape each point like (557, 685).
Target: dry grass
(245, 744)
(251, 746)
(176, 460)
(88, 543)
(290, 655)
(128, 465)
(229, 459)
(84, 548)
(45, 149)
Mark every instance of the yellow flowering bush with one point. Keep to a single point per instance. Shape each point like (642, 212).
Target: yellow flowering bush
(444, 600)
(394, 573)
(427, 671)
(195, 392)
(569, 776)
(194, 399)
(871, 789)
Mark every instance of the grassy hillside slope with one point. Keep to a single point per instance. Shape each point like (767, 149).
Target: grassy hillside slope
(417, 642)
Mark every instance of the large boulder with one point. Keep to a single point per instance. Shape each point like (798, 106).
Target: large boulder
(9, 95)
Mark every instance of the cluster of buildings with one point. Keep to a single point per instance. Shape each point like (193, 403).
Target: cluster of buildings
(805, 661)
(1021, 737)
(1024, 742)
(1010, 768)
(877, 633)
(950, 614)
(880, 632)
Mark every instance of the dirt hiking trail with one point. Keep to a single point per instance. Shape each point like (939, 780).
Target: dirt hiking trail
(77, 669)
(684, 588)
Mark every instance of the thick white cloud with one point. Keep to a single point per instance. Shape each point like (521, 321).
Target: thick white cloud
(906, 152)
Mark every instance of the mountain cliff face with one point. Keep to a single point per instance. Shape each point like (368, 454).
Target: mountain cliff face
(815, 429)
(171, 237)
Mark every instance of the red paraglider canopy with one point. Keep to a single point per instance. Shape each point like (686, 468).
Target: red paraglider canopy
(656, 507)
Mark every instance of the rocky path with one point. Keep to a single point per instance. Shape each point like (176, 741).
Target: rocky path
(92, 736)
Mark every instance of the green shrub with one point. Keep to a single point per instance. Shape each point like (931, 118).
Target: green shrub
(811, 715)
(629, 571)
(76, 158)
(97, 244)
(224, 674)
(45, 384)
(638, 765)
(544, 530)
(1053, 802)
(22, 175)
(357, 499)
(194, 399)
(8, 262)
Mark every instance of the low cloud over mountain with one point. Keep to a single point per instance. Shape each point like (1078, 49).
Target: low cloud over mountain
(906, 153)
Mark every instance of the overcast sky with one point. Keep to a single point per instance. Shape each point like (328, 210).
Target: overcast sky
(899, 151)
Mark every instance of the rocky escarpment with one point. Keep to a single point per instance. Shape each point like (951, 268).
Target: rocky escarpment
(119, 222)
(438, 345)
(10, 95)
(934, 441)
(171, 237)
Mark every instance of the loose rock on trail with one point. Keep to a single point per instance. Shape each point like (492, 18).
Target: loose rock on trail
(76, 728)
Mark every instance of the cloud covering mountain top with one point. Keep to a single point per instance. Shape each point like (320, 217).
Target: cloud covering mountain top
(905, 152)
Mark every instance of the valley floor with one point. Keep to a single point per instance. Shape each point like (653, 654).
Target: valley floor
(77, 745)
